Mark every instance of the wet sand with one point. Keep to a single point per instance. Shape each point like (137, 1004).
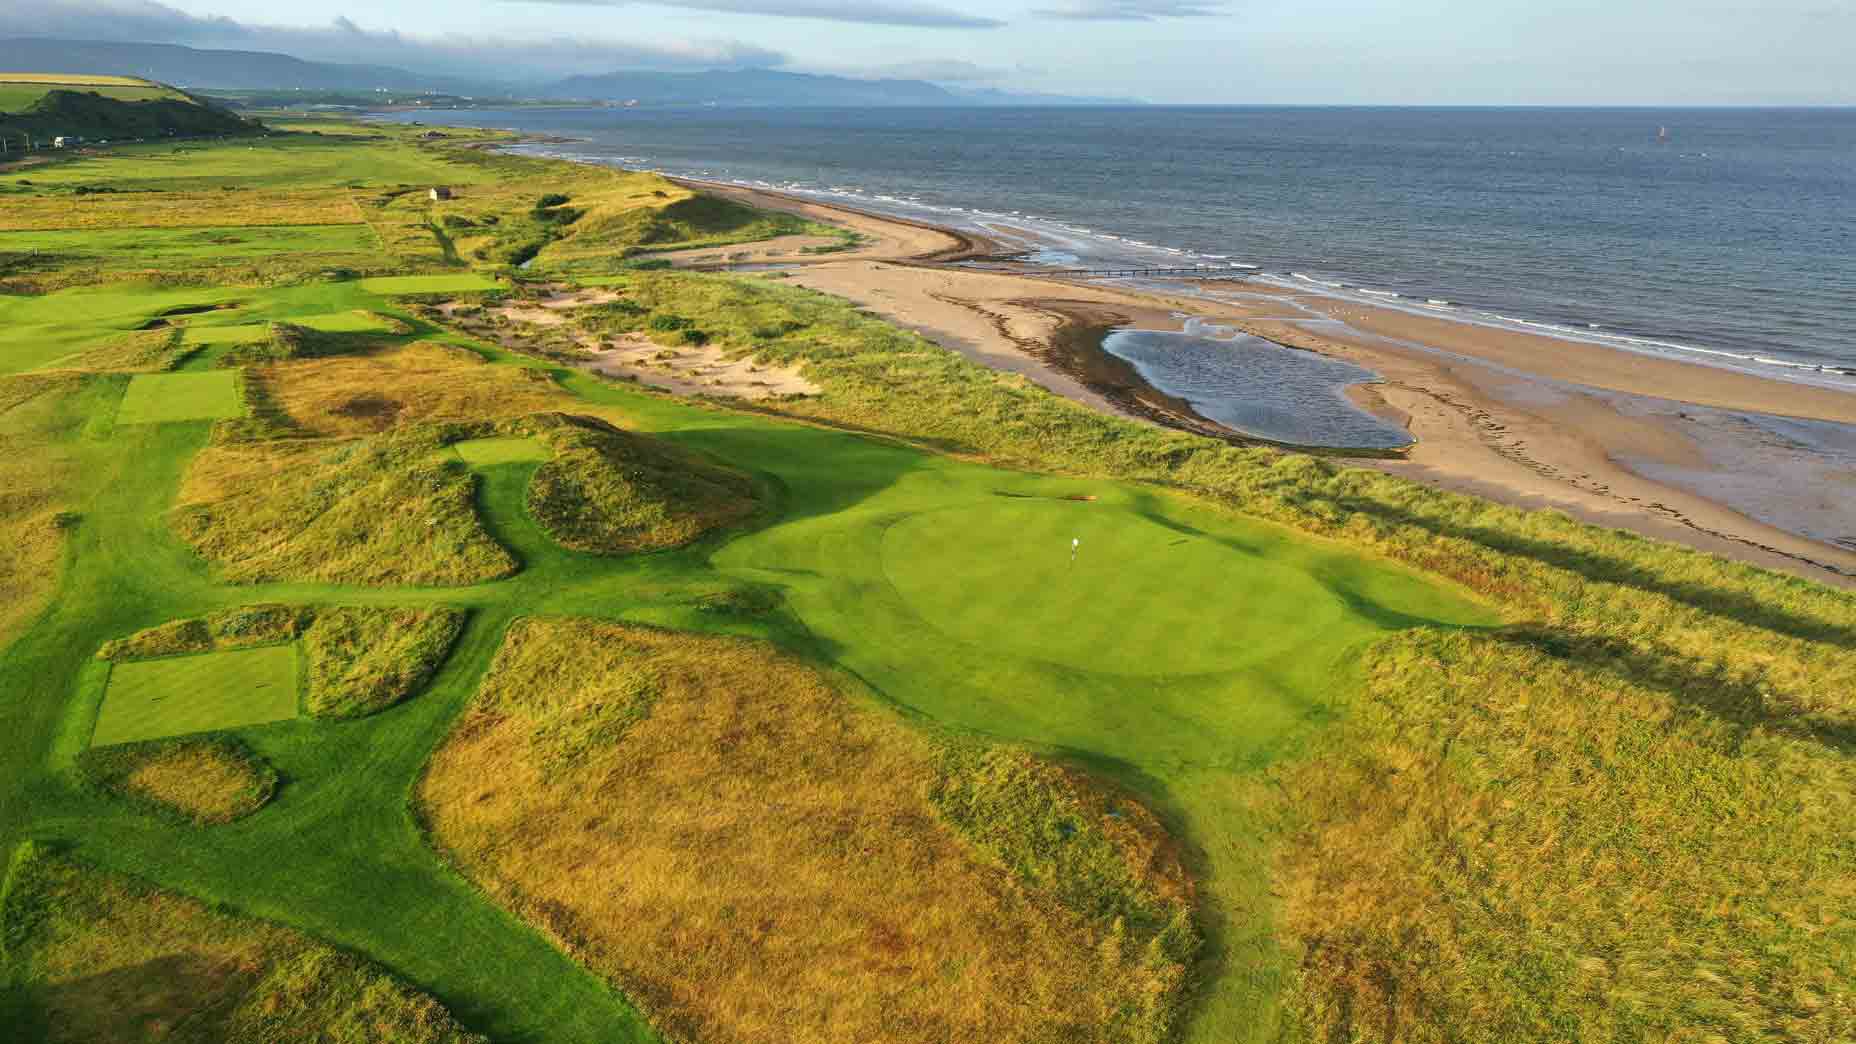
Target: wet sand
(1497, 413)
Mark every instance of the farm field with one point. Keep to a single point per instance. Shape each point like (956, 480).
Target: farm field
(1216, 735)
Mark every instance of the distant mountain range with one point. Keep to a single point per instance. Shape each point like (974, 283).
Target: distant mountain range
(201, 69)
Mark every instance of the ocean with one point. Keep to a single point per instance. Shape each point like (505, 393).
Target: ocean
(1722, 235)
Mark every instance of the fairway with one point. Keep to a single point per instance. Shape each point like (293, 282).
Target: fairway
(487, 453)
(430, 284)
(211, 335)
(345, 322)
(156, 398)
(1138, 598)
(141, 247)
(151, 699)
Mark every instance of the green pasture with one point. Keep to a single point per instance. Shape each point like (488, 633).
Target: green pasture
(158, 398)
(513, 449)
(460, 283)
(176, 696)
(150, 247)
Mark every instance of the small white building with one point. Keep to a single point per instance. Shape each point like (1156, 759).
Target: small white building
(440, 194)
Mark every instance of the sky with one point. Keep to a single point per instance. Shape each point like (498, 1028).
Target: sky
(1452, 52)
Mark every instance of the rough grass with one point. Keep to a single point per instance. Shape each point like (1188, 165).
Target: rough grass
(361, 659)
(205, 781)
(458, 283)
(207, 692)
(161, 398)
(1504, 844)
(392, 509)
(240, 628)
(44, 211)
(607, 491)
(425, 381)
(40, 414)
(141, 351)
(1694, 637)
(364, 660)
(100, 957)
(752, 857)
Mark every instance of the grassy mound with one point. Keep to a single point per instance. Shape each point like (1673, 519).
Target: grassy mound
(1502, 844)
(714, 827)
(612, 492)
(93, 115)
(240, 628)
(364, 660)
(361, 659)
(388, 510)
(362, 394)
(205, 781)
(141, 351)
(99, 957)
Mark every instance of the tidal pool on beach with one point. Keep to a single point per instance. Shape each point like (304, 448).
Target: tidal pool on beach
(1258, 387)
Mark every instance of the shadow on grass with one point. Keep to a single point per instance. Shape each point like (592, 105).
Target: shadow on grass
(1743, 704)
(1603, 568)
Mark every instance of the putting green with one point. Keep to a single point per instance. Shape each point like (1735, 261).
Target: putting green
(1136, 598)
(155, 398)
(151, 699)
(511, 449)
(429, 284)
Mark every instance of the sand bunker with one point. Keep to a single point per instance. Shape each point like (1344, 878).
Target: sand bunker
(688, 370)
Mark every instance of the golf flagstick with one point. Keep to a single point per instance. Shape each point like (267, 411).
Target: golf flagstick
(1074, 544)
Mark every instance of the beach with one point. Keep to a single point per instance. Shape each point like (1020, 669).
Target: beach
(1521, 418)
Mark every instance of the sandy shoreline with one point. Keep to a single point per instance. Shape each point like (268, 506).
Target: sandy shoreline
(1515, 417)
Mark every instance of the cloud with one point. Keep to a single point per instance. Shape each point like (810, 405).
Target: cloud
(1134, 10)
(868, 12)
(343, 40)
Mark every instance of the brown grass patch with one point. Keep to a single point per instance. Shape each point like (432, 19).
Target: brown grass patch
(714, 827)
(99, 957)
(1502, 844)
(393, 509)
(206, 781)
(48, 211)
(427, 381)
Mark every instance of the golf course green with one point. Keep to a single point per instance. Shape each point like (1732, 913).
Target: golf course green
(1294, 750)
(1185, 644)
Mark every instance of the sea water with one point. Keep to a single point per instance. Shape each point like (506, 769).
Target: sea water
(1733, 242)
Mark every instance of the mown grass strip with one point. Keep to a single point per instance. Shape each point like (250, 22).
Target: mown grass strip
(152, 699)
(463, 282)
(158, 398)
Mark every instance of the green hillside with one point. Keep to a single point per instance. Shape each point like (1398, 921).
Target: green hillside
(103, 108)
